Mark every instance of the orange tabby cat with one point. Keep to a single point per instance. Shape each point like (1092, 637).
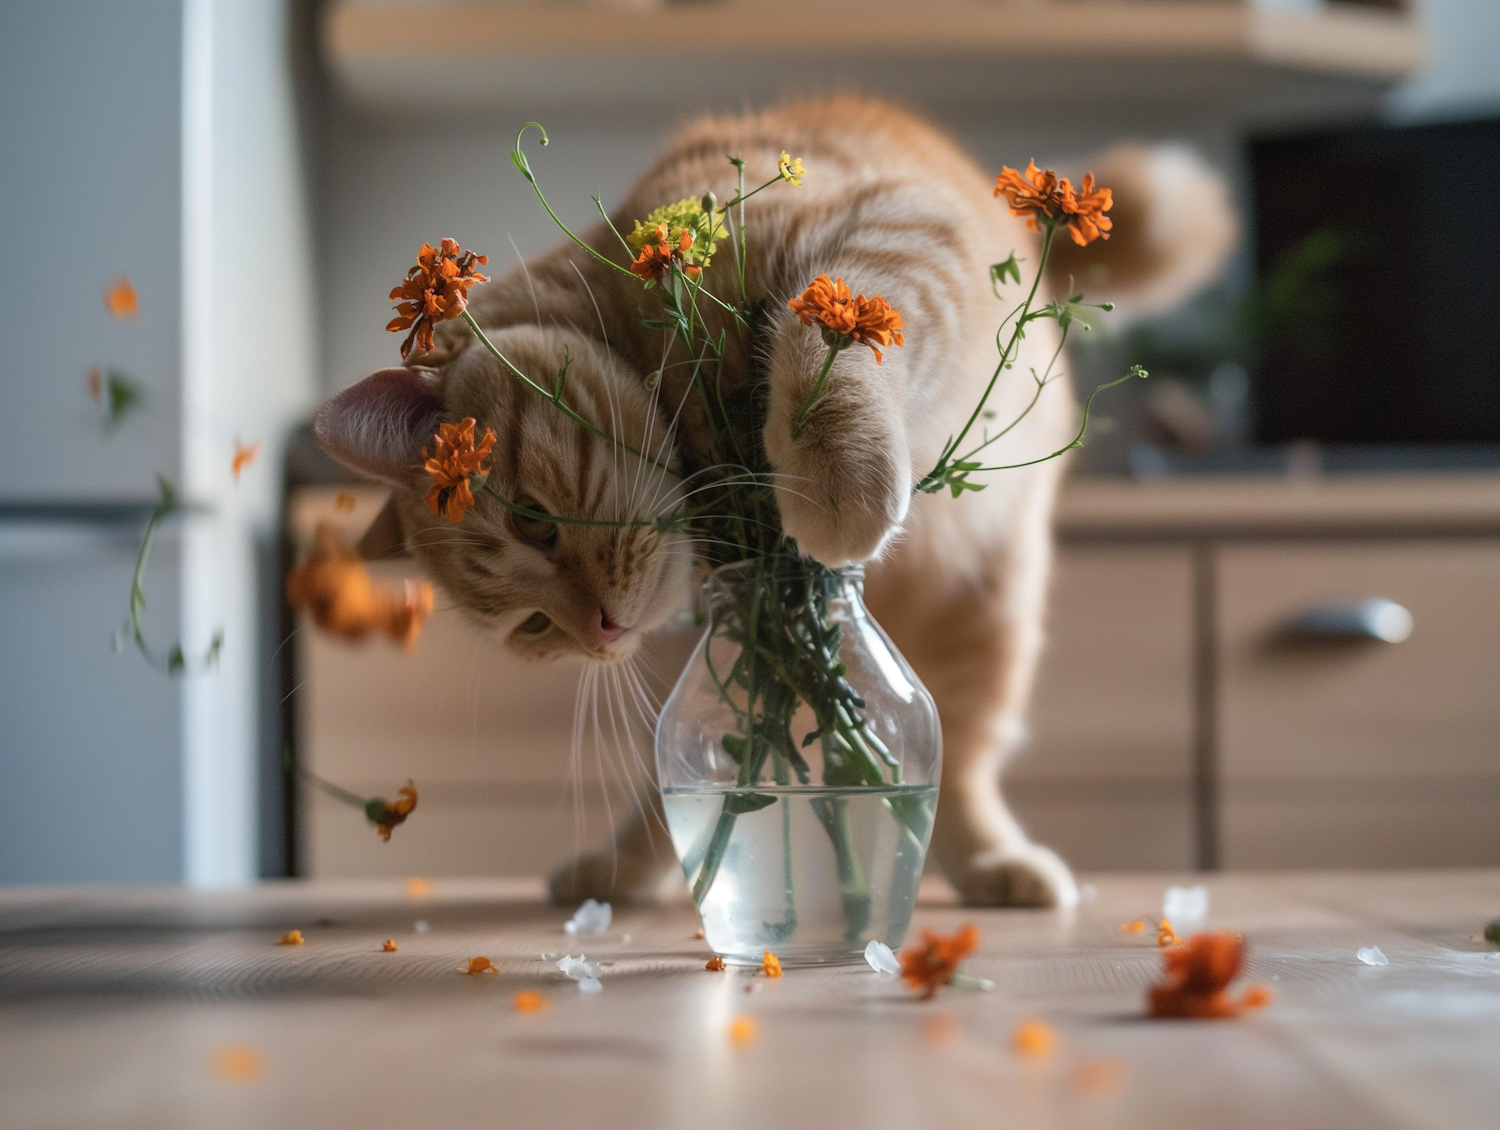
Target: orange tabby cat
(893, 207)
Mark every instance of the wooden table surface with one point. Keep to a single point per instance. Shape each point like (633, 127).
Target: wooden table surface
(151, 1008)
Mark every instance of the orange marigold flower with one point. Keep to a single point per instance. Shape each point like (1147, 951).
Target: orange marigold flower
(1041, 192)
(848, 319)
(120, 298)
(478, 965)
(335, 588)
(292, 938)
(658, 254)
(770, 965)
(935, 961)
(386, 814)
(389, 946)
(1198, 974)
(743, 1030)
(529, 1000)
(1033, 1039)
(243, 457)
(455, 457)
(715, 964)
(435, 290)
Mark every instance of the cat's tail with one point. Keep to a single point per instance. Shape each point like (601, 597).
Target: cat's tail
(1174, 230)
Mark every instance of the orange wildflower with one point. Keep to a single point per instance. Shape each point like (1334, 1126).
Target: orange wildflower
(292, 938)
(243, 457)
(435, 290)
(715, 964)
(1041, 192)
(743, 1030)
(1198, 974)
(239, 1063)
(344, 501)
(529, 1000)
(848, 319)
(658, 255)
(120, 298)
(455, 457)
(386, 814)
(389, 946)
(1033, 1039)
(335, 588)
(770, 965)
(936, 961)
(478, 965)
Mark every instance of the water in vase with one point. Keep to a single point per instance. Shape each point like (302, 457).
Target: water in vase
(811, 874)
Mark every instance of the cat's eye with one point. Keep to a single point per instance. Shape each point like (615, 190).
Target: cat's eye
(536, 624)
(534, 529)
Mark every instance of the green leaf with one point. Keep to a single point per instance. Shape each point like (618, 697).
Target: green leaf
(737, 804)
(1000, 272)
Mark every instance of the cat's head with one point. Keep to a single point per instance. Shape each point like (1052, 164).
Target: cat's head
(554, 589)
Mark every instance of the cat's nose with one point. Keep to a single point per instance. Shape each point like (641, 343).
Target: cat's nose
(606, 631)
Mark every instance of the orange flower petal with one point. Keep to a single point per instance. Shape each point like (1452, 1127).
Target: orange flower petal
(743, 1031)
(291, 938)
(478, 965)
(389, 946)
(1033, 1039)
(771, 965)
(239, 1063)
(715, 964)
(530, 1000)
(120, 299)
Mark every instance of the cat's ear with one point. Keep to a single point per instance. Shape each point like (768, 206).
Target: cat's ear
(378, 426)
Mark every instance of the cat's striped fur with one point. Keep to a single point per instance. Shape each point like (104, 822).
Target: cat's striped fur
(896, 209)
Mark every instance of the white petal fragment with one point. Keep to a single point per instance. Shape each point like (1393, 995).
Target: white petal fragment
(1371, 955)
(590, 918)
(881, 959)
(1185, 904)
(579, 968)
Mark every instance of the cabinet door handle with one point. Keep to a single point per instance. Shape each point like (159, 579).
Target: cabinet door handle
(1373, 619)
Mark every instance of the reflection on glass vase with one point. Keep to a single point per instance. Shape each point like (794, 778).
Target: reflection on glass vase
(798, 758)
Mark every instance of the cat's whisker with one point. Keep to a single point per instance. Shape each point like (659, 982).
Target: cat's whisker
(526, 274)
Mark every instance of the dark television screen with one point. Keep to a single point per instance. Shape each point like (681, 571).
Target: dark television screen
(1378, 258)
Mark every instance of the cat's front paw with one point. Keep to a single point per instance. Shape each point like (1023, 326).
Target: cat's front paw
(611, 877)
(1031, 875)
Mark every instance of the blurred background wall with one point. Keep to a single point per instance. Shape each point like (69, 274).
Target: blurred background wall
(263, 171)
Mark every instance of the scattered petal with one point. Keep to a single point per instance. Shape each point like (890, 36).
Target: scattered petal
(1198, 973)
(243, 457)
(1371, 955)
(770, 965)
(291, 938)
(590, 918)
(1185, 904)
(239, 1063)
(578, 968)
(420, 926)
(344, 501)
(715, 964)
(590, 985)
(881, 959)
(935, 961)
(530, 1000)
(1256, 996)
(1033, 1039)
(1136, 927)
(478, 965)
(549, 957)
(743, 1031)
(1100, 1078)
(120, 298)
(1166, 936)
(390, 946)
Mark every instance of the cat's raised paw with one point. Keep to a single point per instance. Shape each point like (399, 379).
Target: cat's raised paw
(1031, 875)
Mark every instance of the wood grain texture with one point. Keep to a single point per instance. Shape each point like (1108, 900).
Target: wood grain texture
(117, 1002)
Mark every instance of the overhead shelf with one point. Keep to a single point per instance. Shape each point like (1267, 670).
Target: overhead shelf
(1192, 57)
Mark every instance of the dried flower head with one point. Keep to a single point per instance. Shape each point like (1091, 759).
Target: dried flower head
(335, 588)
(1198, 974)
(243, 456)
(478, 965)
(848, 319)
(1041, 192)
(935, 961)
(770, 965)
(1033, 1039)
(791, 169)
(435, 290)
(386, 814)
(455, 457)
(684, 235)
(389, 946)
(529, 1000)
(715, 964)
(120, 298)
(292, 938)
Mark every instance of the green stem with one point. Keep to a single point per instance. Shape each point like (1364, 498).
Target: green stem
(817, 391)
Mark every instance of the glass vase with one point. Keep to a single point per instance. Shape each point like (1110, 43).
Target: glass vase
(798, 757)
